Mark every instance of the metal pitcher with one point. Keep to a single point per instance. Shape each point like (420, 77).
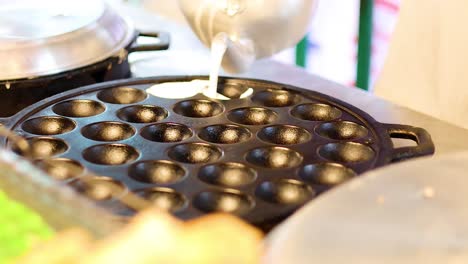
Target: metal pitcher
(256, 28)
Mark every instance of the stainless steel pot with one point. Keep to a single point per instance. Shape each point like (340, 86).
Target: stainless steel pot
(50, 46)
(42, 38)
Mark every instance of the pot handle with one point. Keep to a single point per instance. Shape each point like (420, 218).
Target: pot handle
(420, 136)
(4, 121)
(163, 44)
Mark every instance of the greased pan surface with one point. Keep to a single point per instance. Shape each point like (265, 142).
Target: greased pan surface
(260, 157)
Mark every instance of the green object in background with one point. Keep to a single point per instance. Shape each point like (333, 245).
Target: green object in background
(301, 53)
(366, 26)
(20, 228)
(366, 20)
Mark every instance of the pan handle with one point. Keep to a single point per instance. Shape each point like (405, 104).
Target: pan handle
(163, 44)
(420, 136)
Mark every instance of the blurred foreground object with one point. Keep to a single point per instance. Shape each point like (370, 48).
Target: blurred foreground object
(20, 228)
(154, 237)
(413, 212)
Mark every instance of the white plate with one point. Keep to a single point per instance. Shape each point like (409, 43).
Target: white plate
(412, 212)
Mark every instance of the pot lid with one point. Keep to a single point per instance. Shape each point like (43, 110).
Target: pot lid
(39, 38)
(412, 212)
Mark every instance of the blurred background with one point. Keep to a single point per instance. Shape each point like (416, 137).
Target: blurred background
(331, 47)
(333, 39)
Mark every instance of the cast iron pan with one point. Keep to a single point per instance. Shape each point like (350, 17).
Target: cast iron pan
(260, 158)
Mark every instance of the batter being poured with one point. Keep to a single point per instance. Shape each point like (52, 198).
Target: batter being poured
(178, 90)
(218, 48)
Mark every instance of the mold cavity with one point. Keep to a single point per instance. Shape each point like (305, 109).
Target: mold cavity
(227, 201)
(110, 154)
(108, 131)
(61, 169)
(195, 153)
(234, 90)
(198, 108)
(225, 134)
(342, 130)
(122, 95)
(166, 132)
(43, 147)
(79, 108)
(142, 114)
(157, 172)
(316, 112)
(328, 174)
(180, 90)
(99, 188)
(253, 116)
(276, 98)
(285, 191)
(274, 157)
(346, 152)
(48, 125)
(284, 135)
(165, 199)
(228, 174)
